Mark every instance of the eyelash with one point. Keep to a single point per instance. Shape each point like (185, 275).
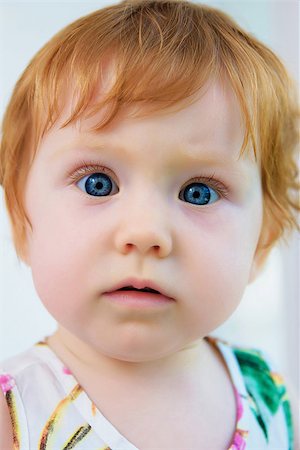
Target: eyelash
(87, 168)
(212, 182)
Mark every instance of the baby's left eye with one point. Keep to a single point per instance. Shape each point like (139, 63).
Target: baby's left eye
(198, 194)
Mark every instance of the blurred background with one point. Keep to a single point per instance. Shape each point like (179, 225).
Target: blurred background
(268, 316)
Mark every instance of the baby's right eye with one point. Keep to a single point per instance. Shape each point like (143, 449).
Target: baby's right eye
(98, 185)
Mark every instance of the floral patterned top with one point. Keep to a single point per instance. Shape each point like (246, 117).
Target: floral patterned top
(50, 410)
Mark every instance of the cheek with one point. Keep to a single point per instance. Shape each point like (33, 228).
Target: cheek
(59, 254)
(218, 263)
(225, 240)
(66, 248)
(57, 273)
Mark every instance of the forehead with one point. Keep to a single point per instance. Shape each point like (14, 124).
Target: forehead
(211, 118)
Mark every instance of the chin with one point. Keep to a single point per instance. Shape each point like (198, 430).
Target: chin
(139, 352)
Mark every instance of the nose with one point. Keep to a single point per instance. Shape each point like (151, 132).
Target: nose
(145, 229)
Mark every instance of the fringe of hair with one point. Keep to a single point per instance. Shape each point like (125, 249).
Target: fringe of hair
(154, 53)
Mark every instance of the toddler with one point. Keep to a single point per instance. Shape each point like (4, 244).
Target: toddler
(147, 161)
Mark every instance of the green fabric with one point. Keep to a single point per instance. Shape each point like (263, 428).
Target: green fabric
(266, 390)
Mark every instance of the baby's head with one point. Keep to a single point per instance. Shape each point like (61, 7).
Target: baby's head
(153, 54)
(150, 139)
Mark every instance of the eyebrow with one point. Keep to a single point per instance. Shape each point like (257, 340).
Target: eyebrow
(80, 146)
(191, 153)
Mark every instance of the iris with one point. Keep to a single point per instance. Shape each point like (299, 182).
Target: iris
(98, 184)
(199, 194)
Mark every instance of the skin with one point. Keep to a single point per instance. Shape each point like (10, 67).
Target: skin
(203, 256)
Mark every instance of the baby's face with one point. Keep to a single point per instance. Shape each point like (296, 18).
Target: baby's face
(163, 199)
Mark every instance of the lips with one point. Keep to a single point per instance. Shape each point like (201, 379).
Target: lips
(136, 285)
(145, 289)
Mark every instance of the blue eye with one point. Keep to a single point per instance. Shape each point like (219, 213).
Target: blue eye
(199, 194)
(97, 184)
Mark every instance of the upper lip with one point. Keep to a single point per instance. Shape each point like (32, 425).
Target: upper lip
(139, 284)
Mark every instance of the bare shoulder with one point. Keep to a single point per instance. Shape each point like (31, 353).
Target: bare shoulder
(6, 436)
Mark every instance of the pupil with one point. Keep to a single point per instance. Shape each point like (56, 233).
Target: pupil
(197, 193)
(98, 185)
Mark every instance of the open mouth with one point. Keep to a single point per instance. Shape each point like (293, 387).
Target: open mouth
(145, 289)
(138, 294)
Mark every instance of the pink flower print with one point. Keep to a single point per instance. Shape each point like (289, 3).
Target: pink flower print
(6, 382)
(239, 404)
(67, 371)
(240, 436)
(239, 442)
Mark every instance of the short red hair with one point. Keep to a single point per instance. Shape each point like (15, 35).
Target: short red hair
(164, 51)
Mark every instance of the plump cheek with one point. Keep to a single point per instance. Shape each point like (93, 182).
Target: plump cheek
(56, 280)
(217, 270)
(59, 267)
(68, 251)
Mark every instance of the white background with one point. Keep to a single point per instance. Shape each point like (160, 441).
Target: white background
(269, 314)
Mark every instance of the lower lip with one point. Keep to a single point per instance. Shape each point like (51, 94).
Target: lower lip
(138, 299)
